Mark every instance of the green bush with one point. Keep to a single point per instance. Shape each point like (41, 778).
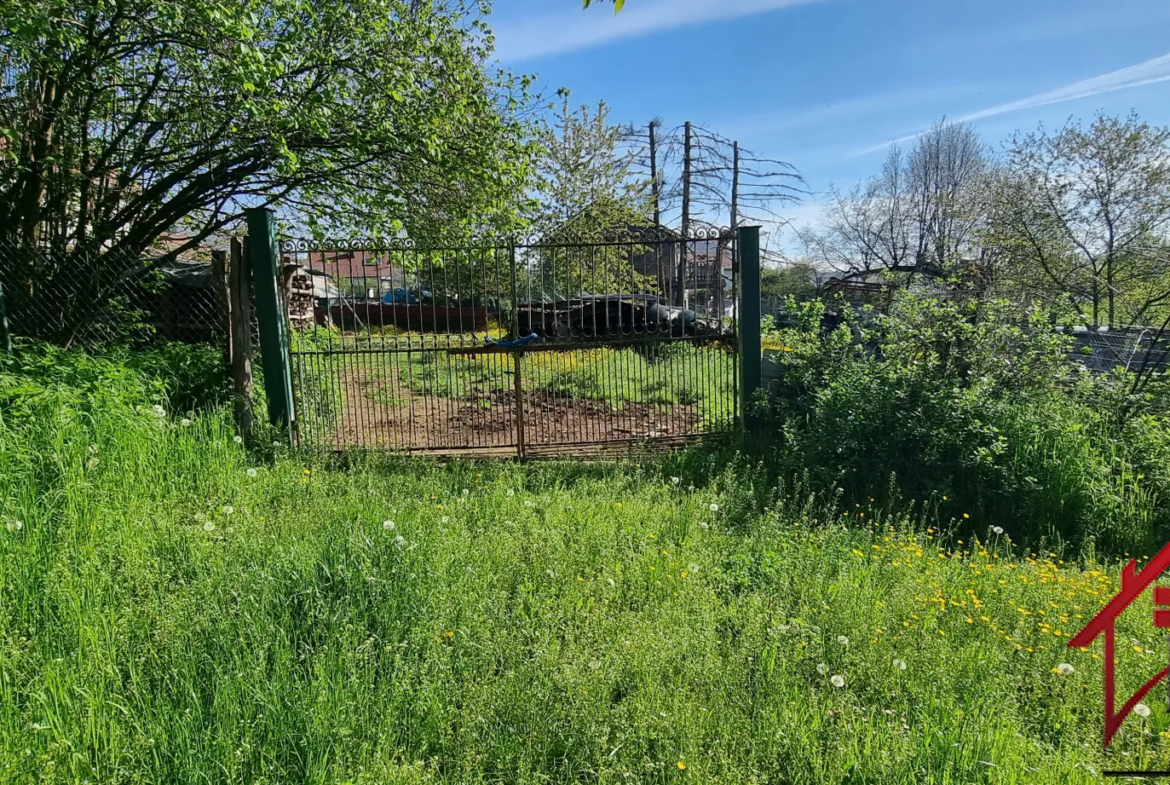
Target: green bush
(973, 405)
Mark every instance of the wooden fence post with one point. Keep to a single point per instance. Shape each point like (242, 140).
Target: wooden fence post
(274, 338)
(748, 328)
(240, 336)
(223, 304)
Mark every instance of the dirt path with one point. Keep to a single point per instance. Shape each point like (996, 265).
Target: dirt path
(385, 412)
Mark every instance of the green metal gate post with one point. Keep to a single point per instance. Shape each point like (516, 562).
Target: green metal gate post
(748, 327)
(274, 339)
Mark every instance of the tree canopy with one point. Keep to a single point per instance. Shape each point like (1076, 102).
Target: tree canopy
(124, 120)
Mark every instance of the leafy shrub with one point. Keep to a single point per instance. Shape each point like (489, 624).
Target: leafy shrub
(972, 404)
(181, 377)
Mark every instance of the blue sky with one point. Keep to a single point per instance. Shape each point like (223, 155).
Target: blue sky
(827, 84)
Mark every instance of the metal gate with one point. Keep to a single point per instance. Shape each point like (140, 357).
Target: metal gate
(549, 346)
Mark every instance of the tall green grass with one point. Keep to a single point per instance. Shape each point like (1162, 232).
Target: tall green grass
(175, 607)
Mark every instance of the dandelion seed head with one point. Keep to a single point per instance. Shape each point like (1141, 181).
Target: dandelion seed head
(400, 541)
(159, 411)
(704, 525)
(714, 507)
(837, 681)
(1065, 669)
(466, 491)
(511, 492)
(997, 529)
(185, 422)
(843, 640)
(900, 664)
(388, 525)
(446, 518)
(209, 527)
(251, 472)
(676, 480)
(822, 668)
(239, 439)
(1142, 710)
(228, 509)
(610, 581)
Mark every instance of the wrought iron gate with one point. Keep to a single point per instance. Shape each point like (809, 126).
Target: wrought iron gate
(545, 346)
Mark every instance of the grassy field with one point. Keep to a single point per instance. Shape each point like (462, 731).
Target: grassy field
(177, 608)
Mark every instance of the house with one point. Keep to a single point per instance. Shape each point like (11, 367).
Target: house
(362, 274)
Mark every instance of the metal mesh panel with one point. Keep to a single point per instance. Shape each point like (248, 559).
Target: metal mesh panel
(94, 299)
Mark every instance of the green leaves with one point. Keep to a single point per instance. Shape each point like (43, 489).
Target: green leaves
(360, 117)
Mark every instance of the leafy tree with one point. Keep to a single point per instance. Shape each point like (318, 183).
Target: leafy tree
(1084, 213)
(583, 168)
(778, 283)
(587, 189)
(127, 122)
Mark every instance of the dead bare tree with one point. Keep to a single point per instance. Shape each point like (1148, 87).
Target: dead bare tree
(920, 215)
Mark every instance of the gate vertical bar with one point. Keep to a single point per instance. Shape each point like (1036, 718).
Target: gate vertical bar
(747, 327)
(274, 338)
(517, 357)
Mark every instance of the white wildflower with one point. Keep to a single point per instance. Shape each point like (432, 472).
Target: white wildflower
(400, 541)
(13, 525)
(1065, 669)
(899, 665)
(228, 509)
(185, 422)
(676, 480)
(843, 640)
(446, 518)
(238, 439)
(388, 525)
(837, 681)
(466, 491)
(209, 527)
(159, 411)
(997, 529)
(251, 472)
(714, 507)
(822, 669)
(1142, 710)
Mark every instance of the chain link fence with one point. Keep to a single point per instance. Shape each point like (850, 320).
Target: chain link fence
(95, 299)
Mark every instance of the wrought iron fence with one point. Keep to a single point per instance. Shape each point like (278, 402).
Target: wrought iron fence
(513, 345)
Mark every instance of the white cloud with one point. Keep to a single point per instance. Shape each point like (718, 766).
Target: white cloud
(574, 29)
(836, 113)
(1151, 71)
